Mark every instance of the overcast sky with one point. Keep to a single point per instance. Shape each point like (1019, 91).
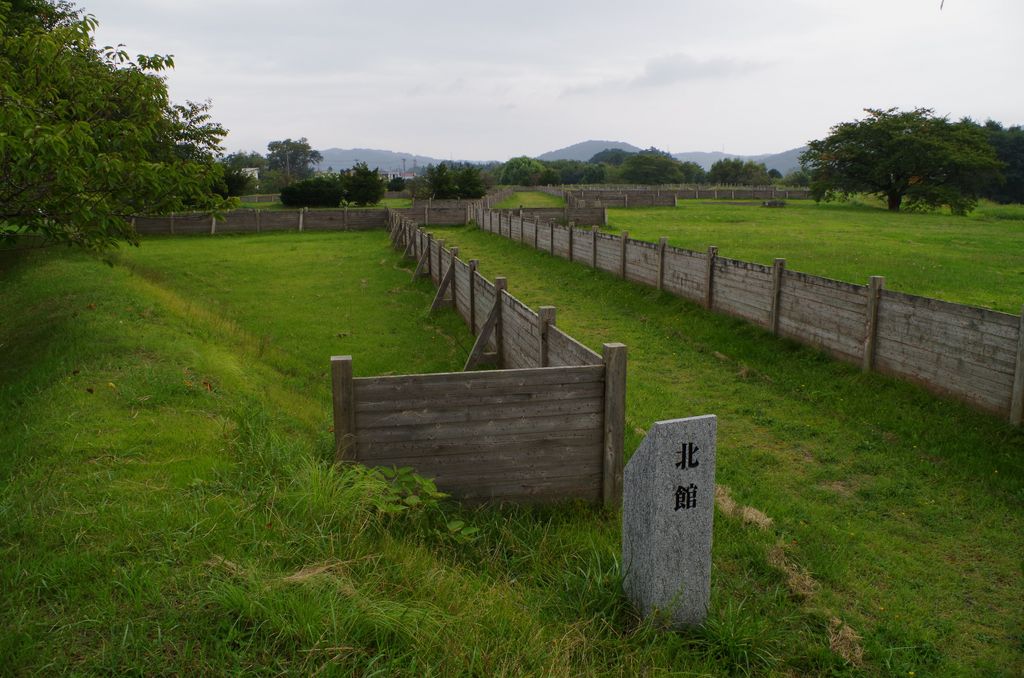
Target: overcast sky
(484, 81)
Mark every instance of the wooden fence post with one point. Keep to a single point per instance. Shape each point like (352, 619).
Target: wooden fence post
(545, 318)
(491, 326)
(551, 236)
(257, 221)
(430, 255)
(301, 218)
(662, 244)
(473, 263)
(593, 245)
(446, 281)
(1017, 397)
(571, 229)
(622, 254)
(343, 400)
(709, 276)
(614, 422)
(213, 225)
(871, 321)
(172, 221)
(440, 261)
(778, 267)
(500, 285)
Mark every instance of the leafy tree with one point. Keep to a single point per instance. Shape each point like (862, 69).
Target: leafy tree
(364, 186)
(593, 173)
(236, 182)
(910, 156)
(244, 159)
(736, 171)
(521, 171)
(88, 137)
(294, 158)
(326, 190)
(692, 173)
(774, 174)
(797, 177)
(470, 183)
(651, 168)
(611, 156)
(396, 184)
(439, 183)
(549, 177)
(1008, 143)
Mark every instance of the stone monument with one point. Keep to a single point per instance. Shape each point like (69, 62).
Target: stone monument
(667, 513)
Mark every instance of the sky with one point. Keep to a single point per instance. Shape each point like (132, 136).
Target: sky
(489, 81)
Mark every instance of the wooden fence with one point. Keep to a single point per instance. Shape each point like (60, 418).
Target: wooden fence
(265, 221)
(547, 425)
(973, 354)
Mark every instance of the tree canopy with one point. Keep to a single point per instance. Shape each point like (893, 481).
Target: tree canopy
(737, 172)
(88, 136)
(364, 186)
(904, 156)
(294, 158)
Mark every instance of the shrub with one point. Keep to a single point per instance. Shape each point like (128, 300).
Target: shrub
(326, 190)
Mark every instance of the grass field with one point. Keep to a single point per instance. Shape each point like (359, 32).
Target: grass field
(530, 199)
(976, 260)
(168, 506)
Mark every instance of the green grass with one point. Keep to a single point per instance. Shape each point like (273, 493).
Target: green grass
(168, 505)
(976, 260)
(530, 199)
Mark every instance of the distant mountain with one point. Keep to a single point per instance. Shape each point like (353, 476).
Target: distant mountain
(388, 161)
(585, 150)
(786, 161)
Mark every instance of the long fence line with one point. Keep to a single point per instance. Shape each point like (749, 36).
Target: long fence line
(972, 354)
(547, 425)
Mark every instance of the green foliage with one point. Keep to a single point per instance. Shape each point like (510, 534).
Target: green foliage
(244, 159)
(439, 183)
(236, 182)
(797, 177)
(611, 156)
(88, 137)
(326, 190)
(692, 173)
(521, 171)
(364, 186)
(549, 177)
(396, 184)
(469, 182)
(1008, 143)
(904, 155)
(294, 158)
(651, 168)
(739, 173)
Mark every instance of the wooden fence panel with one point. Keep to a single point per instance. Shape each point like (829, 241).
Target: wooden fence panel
(685, 273)
(967, 352)
(564, 350)
(827, 314)
(530, 435)
(609, 247)
(743, 289)
(561, 241)
(642, 262)
(463, 279)
(521, 343)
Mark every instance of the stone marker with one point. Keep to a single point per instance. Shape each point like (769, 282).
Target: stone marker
(667, 512)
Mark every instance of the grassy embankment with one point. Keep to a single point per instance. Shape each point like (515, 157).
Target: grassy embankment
(976, 260)
(168, 505)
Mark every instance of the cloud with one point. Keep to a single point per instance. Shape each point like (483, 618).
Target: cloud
(671, 70)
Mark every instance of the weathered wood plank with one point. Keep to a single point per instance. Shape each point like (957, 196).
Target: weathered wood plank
(473, 429)
(343, 405)
(614, 423)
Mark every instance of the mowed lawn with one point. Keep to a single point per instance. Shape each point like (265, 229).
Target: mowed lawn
(168, 503)
(976, 260)
(530, 199)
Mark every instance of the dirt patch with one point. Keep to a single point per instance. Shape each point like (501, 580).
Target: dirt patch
(798, 580)
(748, 514)
(840, 487)
(845, 642)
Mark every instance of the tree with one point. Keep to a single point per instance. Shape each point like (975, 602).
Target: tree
(737, 172)
(1008, 143)
(294, 158)
(469, 183)
(88, 137)
(364, 186)
(326, 190)
(692, 173)
(396, 184)
(439, 183)
(521, 171)
(549, 177)
(910, 156)
(651, 168)
(611, 156)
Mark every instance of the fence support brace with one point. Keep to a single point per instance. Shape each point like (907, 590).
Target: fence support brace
(491, 326)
